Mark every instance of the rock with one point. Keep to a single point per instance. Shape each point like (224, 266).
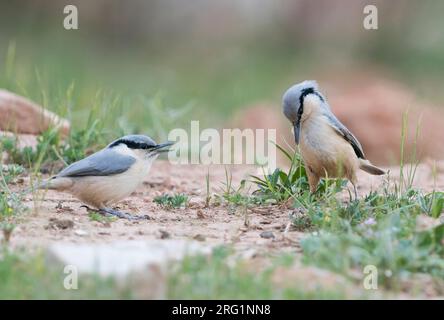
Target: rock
(58, 224)
(199, 237)
(20, 115)
(139, 263)
(80, 233)
(267, 235)
(164, 234)
(23, 140)
(195, 202)
(200, 214)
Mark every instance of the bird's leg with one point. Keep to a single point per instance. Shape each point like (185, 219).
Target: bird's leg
(121, 215)
(355, 191)
(313, 181)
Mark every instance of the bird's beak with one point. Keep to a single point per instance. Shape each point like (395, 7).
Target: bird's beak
(163, 147)
(297, 130)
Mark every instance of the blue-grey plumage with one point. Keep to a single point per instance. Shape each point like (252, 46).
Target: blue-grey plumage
(98, 164)
(110, 174)
(327, 147)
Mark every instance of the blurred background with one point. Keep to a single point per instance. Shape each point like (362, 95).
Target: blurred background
(150, 66)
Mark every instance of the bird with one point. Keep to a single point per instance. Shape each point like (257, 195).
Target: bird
(109, 175)
(327, 147)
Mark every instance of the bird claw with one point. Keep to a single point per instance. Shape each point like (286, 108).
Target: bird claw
(116, 213)
(122, 215)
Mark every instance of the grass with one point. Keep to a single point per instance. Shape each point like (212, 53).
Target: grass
(281, 185)
(379, 230)
(95, 216)
(211, 277)
(172, 201)
(11, 205)
(237, 198)
(25, 276)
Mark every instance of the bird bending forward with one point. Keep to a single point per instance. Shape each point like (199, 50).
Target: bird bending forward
(327, 147)
(109, 175)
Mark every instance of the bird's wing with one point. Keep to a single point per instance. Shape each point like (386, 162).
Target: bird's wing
(103, 163)
(347, 135)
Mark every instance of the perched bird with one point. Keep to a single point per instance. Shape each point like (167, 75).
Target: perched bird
(110, 174)
(327, 147)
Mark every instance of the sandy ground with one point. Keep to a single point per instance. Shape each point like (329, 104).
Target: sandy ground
(60, 217)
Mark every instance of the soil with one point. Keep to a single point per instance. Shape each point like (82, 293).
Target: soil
(59, 216)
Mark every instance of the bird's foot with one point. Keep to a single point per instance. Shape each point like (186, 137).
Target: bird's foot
(122, 215)
(87, 208)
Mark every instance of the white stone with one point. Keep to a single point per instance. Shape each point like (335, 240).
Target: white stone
(135, 262)
(80, 232)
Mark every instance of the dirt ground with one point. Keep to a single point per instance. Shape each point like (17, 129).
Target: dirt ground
(60, 217)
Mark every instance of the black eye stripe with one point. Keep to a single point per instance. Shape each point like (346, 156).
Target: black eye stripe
(308, 91)
(132, 144)
(305, 93)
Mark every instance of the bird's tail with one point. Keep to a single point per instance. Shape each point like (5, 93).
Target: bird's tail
(54, 183)
(369, 168)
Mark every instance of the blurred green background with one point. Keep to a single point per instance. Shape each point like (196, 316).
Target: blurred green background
(154, 65)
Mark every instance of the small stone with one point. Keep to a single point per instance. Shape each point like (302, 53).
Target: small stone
(267, 235)
(195, 202)
(80, 233)
(59, 224)
(164, 234)
(199, 237)
(200, 214)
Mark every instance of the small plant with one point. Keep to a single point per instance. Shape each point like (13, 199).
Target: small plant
(10, 207)
(11, 204)
(407, 172)
(172, 201)
(431, 203)
(281, 185)
(389, 242)
(238, 197)
(51, 148)
(11, 172)
(95, 216)
(228, 188)
(208, 196)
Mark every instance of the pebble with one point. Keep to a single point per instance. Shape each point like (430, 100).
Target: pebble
(267, 235)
